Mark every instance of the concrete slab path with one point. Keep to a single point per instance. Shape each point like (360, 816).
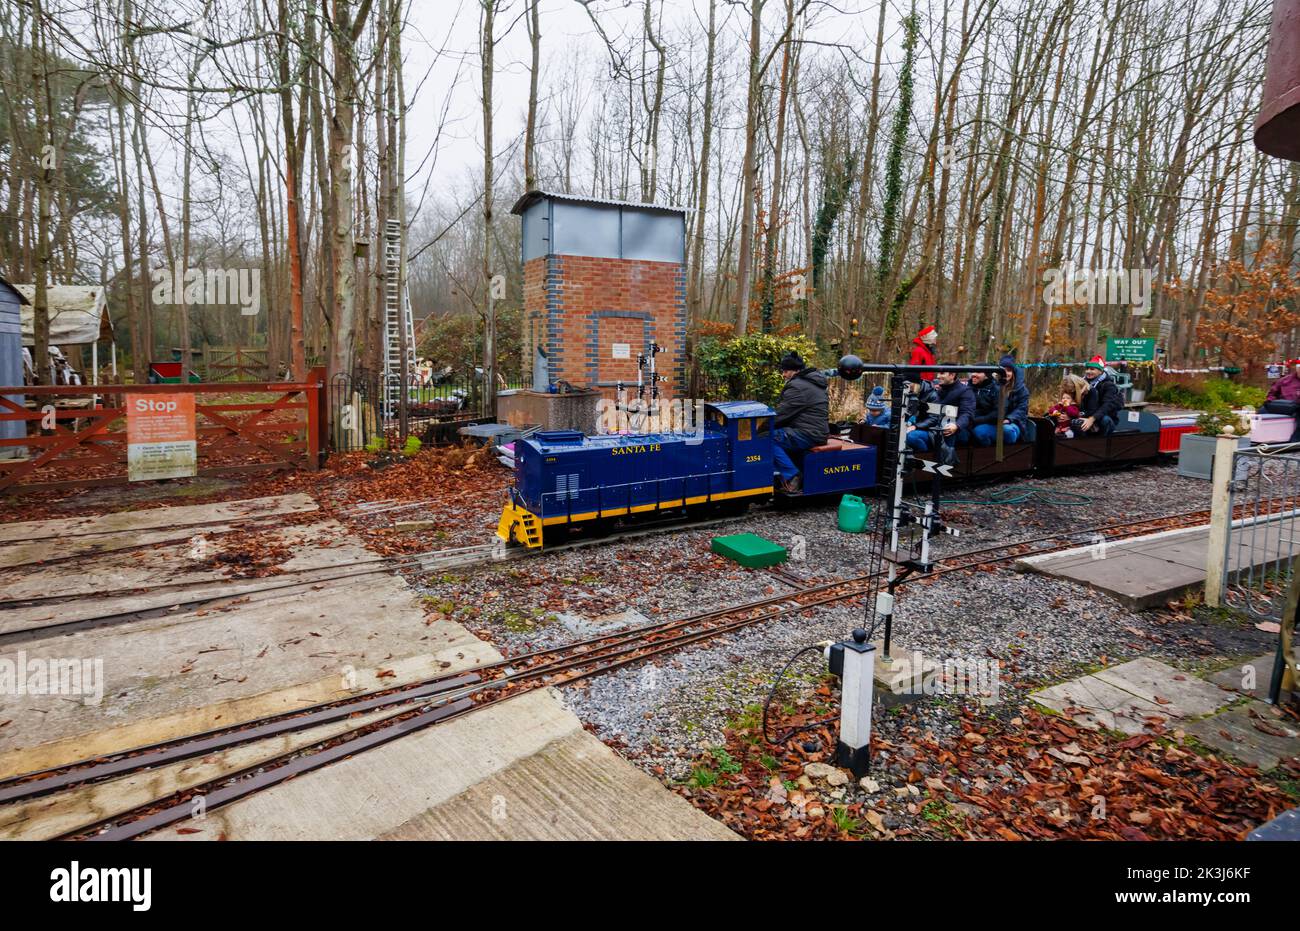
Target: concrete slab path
(1131, 697)
(521, 769)
(1149, 571)
(1135, 696)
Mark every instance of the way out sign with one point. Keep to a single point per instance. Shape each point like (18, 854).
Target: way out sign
(160, 436)
(1130, 349)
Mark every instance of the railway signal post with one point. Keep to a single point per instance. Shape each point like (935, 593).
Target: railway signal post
(646, 375)
(854, 659)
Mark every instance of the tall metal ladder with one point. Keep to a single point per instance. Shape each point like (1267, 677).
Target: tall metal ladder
(397, 313)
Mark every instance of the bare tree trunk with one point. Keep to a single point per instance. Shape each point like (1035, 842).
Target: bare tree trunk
(487, 46)
(748, 167)
(138, 340)
(320, 165)
(654, 110)
(774, 210)
(344, 32)
(530, 132)
(292, 172)
(702, 198)
(857, 244)
(191, 104)
(44, 121)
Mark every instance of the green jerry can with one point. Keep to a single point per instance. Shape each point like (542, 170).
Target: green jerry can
(853, 514)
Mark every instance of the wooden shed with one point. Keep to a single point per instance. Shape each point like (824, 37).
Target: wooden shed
(11, 361)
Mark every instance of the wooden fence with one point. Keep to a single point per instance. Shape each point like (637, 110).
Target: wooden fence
(76, 434)
(223, 363)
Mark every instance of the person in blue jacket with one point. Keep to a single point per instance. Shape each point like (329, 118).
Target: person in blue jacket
(928, 425)
(1015, 416)
(877, 409)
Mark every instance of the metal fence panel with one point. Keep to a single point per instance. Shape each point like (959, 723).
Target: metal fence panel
(1263, 529)
(364, 408)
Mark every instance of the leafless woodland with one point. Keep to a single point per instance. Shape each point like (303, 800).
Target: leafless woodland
(851, 170)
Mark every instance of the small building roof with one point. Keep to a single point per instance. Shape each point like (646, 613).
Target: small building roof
(78, 314)
(533, 197)
(22, 298)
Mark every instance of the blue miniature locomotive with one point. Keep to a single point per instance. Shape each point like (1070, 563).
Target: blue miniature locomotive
(563, 478)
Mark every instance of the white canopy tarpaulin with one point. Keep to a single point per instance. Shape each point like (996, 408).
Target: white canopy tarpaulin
(78, 315)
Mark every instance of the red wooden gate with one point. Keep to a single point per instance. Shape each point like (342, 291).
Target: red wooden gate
(282, 427)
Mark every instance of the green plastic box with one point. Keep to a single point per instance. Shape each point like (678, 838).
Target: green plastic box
(749, 549)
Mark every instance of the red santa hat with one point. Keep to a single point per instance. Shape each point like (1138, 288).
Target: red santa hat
(928, 335)
(1096, 362)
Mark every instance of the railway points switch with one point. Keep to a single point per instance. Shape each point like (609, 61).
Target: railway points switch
(854, 662)
(749, 549)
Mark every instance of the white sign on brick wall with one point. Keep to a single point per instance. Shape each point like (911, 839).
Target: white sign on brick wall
(622, 350)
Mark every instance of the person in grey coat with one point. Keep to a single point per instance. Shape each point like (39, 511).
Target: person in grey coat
(802, 418)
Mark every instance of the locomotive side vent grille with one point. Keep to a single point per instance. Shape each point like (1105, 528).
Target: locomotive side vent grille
(566, 487)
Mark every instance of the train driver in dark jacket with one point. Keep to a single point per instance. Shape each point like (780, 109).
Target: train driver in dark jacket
(1015, 416)
(1101, 403)
(802, 418)
(948, 391)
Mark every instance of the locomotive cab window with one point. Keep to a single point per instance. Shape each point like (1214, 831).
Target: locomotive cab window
(717, 419)
(761, 426)
(744, 428)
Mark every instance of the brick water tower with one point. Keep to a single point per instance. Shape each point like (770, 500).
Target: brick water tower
(603, 280)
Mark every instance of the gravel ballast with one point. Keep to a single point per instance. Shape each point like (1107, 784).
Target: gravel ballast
(1040, 629)
(669, 715)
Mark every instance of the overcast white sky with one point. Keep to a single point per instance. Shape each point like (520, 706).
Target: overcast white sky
(565, 25)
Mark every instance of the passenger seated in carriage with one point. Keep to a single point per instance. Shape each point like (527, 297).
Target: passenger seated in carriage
(928, 428)
(878, 414)
(1285, 392)
(1015, 414)
(1066, 410)
(1099, 409)
(1283, 396)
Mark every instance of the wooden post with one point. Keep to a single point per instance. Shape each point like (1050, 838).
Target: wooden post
(356, 432)
(1225, 452)
(1283, 677)
(317, 417)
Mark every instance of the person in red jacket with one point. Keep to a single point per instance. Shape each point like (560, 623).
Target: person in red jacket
(923, 351)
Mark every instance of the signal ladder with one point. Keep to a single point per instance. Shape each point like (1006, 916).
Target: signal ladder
(397, 316)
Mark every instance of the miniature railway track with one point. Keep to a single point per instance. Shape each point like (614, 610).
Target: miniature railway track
(421, 563)
(420, 704)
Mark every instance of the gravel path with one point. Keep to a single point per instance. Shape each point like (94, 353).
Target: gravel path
(1039, 632)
